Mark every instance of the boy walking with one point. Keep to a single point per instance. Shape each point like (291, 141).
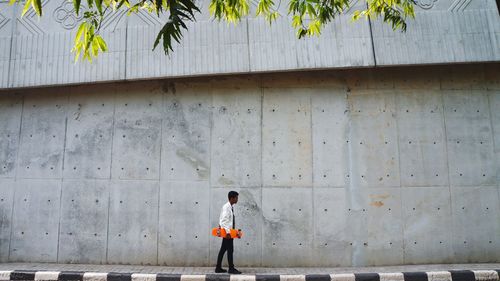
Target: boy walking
(227, 221)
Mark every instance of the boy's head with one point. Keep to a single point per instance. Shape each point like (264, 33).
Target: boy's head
(233, 197)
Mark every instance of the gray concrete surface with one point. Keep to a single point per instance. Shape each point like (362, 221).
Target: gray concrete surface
(36, 52)
(335, 168)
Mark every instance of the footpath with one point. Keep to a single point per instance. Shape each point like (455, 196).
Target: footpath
(89, 272)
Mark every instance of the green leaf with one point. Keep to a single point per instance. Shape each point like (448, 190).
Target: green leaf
(301, 32)
(80, 32)
(95, 47)
(133, 9)
(297, 21)
(26, 7)
(158, 4)
(76, 4)
(86, 36)
(272, 17)
(311, 11)
(314, 28)
(37, 5)
(123, 2)
(98, 4)
(356, 15)
(102, 43)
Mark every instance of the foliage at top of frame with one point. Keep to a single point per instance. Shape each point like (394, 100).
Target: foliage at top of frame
(308, 17)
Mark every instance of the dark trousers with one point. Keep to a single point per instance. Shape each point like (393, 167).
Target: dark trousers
(227, 245)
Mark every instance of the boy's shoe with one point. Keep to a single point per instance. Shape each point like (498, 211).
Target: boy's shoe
(220, 270)
(234, 271)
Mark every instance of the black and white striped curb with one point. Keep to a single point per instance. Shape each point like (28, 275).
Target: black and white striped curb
(452, 275)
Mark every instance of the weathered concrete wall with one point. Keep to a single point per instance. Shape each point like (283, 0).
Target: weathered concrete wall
(335, 168)
(36, 52)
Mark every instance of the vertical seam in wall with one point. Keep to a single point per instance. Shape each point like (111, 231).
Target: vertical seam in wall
(110, 170)
(115, 92)
(396, 107)
(13, 29)
(371, 38)
(211, 123)
(107, 224)
(126, 54)
(159, 177)
(15, 176)
(261, 164)
(443, 108)
(497, 161)
(312, 175)
(62, 173)
(11, 220)
(20, 136)
(248, 46)
(65, 132)
(348, 177)
(491, 37)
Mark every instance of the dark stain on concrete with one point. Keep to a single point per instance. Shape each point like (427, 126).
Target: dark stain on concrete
(190, 143)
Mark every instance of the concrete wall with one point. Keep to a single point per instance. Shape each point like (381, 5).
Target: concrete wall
(36, 52)
(334, 168)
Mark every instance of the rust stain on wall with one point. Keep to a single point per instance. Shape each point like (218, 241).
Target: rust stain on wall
(377, 203)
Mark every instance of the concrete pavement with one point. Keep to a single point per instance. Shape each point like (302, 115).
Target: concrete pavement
(88, 272)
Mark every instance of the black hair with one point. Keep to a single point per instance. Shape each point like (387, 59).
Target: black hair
(232, 194)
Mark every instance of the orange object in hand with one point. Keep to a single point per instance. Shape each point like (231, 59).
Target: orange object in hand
(221, 232)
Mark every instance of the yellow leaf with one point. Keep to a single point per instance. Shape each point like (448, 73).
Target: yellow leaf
(102, 43)
(80, 32)
(26, 7)
(95, 47)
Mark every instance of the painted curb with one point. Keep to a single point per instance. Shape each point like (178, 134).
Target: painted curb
(452, 275)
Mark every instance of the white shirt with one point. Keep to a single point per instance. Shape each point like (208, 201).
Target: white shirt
(226, 217)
